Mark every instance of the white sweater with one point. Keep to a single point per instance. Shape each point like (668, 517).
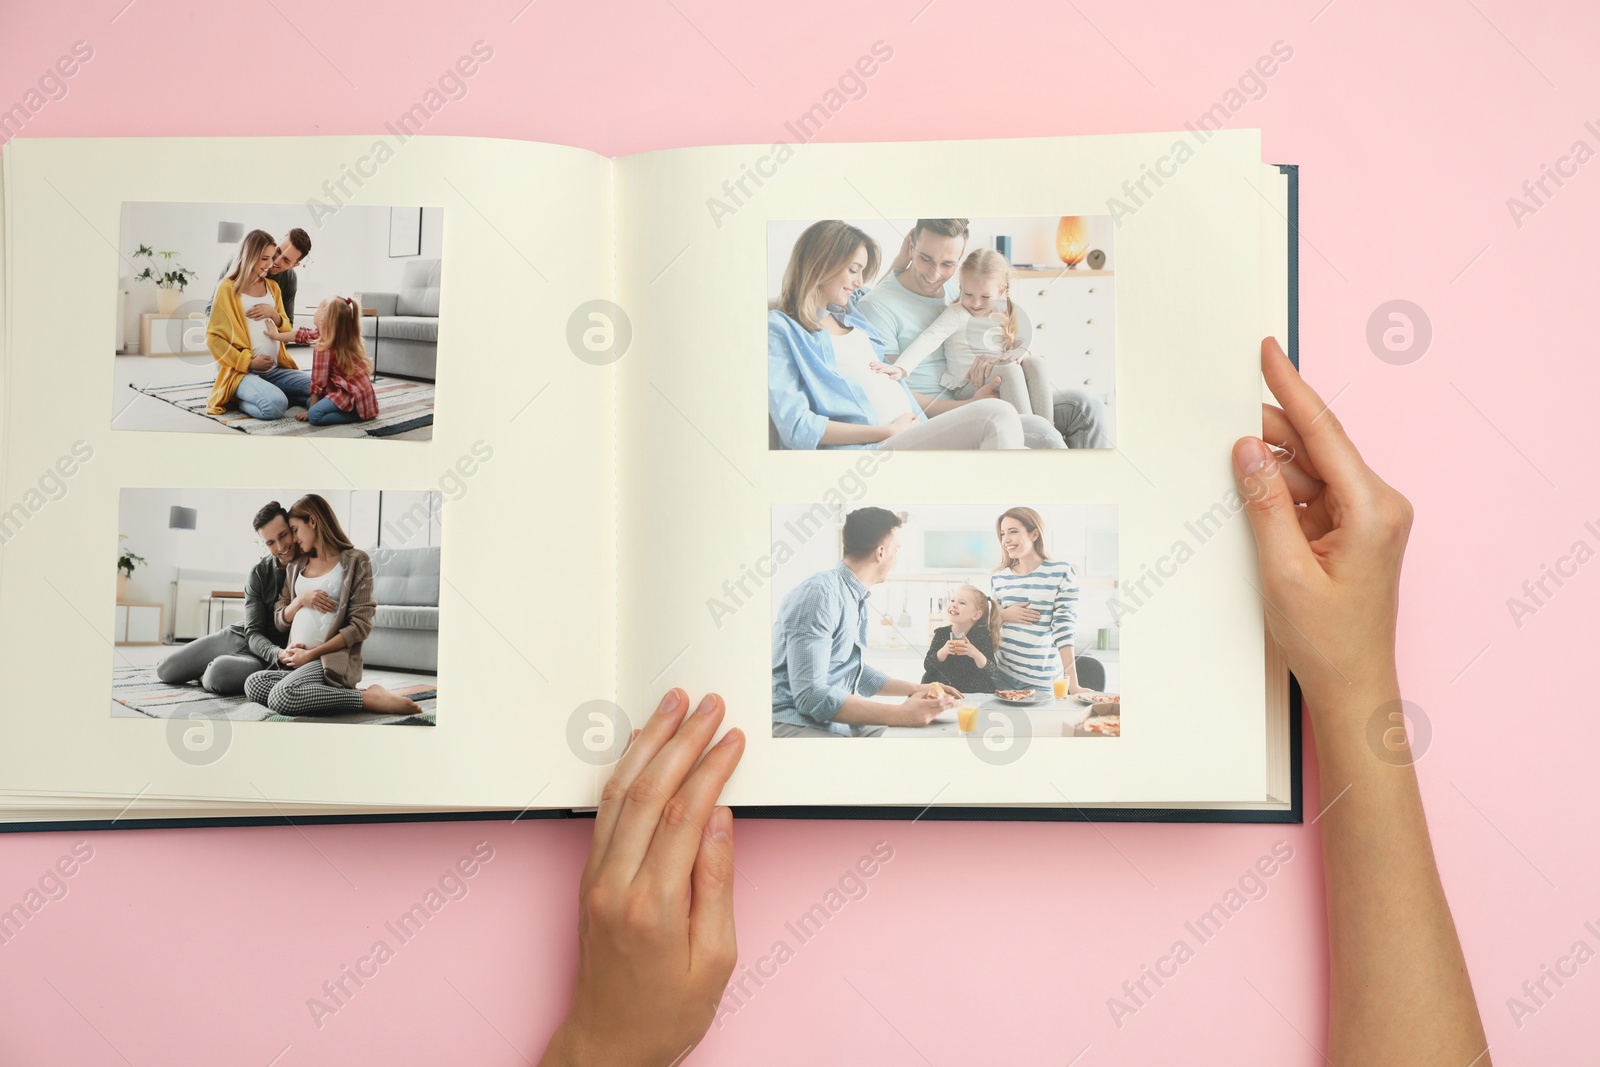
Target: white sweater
(964, 337)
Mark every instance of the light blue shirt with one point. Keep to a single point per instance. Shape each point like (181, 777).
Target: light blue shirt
(819, 641)
(900, 316)
(805, 387)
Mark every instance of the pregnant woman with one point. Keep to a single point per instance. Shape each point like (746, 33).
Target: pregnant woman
(326, 606)
(828, 385)
(252, 368)
(1038, 599)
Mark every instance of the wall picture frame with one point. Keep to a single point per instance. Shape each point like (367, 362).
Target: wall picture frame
(405, 232)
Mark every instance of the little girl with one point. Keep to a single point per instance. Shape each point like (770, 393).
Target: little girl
(984, 322)
(341, 374)
(961, 652)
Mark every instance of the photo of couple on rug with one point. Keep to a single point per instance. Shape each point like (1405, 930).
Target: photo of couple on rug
(332, 354)
(317, 612)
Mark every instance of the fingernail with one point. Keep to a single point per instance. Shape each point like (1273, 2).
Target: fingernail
(1251, 456)
(721, 825)
(631, 739)
(672, 703)
(708, 704)
(728, 738)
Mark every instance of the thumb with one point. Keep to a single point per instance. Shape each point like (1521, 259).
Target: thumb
(1270, 507)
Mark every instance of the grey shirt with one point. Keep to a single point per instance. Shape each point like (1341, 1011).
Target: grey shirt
(260, 629)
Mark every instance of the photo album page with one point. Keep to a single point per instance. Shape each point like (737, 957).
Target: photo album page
(309, 503)
(989, 497)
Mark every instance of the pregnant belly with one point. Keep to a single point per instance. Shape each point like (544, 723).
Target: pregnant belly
(887, 397)
(309, 628)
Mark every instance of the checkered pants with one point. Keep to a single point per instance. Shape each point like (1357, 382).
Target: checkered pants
(301, 691)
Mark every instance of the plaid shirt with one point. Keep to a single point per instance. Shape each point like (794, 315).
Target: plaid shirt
(346, 393)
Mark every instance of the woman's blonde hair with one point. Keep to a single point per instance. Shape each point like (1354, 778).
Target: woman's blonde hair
(822, 251)
(991, 609)
(1031, 521)
(987, 263)
(315, 510)
(343, 338)
(249, 251)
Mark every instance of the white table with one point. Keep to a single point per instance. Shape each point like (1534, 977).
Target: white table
(1054, 718)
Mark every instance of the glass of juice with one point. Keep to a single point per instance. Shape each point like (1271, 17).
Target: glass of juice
(967, 718)
(1061, 688)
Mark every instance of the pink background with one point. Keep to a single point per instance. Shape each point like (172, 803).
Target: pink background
(977, 943)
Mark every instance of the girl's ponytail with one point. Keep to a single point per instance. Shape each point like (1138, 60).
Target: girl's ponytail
(987, 262)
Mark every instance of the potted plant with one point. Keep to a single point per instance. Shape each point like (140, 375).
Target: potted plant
(126, 562)
(169, 282)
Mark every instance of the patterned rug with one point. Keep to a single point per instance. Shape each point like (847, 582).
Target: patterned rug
(138, 689)
(402, 405)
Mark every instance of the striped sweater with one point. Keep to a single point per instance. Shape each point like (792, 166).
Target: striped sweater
(1029, 651)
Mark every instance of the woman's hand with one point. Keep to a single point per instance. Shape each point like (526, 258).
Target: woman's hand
(901, 422)
(303, 416)
(1019, 613)
(902, 259)
(296, 655)
(261, 363)
(655, 907)
(316, 600)
(888, 370)
(1330, 568)
(262, 311)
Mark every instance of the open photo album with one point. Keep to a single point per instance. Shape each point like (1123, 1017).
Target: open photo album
(354, 478)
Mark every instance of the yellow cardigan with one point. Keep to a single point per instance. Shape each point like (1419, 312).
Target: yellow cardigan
(228, 337)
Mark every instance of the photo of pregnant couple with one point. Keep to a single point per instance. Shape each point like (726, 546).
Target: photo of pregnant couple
(978, 333)
(885, 624)
(342, 343)
(276, 614)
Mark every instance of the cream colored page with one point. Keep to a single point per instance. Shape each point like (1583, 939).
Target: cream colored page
(699, 481)
(526, 631)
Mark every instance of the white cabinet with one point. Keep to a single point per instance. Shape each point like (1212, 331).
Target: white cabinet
(1073, 313)
(172, 335)
(138, 624)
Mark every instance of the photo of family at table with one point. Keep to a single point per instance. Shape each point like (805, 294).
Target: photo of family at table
(887, 621)
(941, 334)
(339, 340)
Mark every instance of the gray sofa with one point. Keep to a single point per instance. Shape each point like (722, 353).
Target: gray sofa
(405, 627)
(403, 337)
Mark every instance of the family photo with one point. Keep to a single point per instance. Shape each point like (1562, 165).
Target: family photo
(277, 321)
(277, 605)
(941, 333)
(921, 621)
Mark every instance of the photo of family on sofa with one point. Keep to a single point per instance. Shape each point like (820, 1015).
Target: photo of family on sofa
(275, 613)
(231, 317)
(921, 622)
(941, 333)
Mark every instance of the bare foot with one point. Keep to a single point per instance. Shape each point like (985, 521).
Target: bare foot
(377, 698)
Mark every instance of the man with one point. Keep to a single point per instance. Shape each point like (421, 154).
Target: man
(920, 284)
(223, 660)
(820, 682)
(295, 247)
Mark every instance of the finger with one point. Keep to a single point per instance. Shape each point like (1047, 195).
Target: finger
(1273, 517)
(678, 839)
(711, 935)
(1298, 470)
(647, 796)
(1332, 452)
(657, 731)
